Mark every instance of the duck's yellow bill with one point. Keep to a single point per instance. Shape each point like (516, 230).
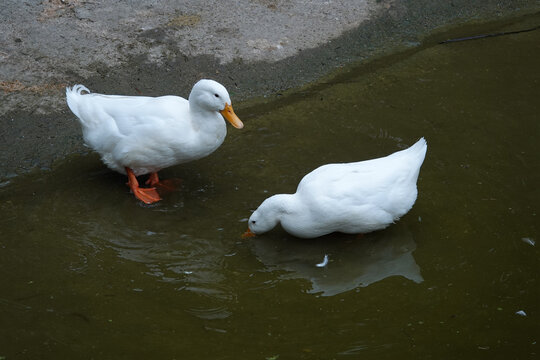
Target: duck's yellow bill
(248, 234)
(228, 113)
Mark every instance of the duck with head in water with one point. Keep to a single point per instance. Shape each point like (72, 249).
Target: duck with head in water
(353, 198)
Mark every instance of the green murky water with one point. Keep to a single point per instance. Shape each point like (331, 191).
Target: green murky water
(88, 272)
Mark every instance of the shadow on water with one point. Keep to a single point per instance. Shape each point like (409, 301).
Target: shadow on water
(351, 262)
(89, 270)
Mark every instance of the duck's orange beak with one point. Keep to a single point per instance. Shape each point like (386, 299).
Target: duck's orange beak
(248, 234)
(228, 113)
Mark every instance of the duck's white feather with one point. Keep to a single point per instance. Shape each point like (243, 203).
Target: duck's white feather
(147, 134)
(352, 198)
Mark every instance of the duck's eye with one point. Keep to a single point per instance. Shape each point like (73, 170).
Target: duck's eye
(216, 95)
(253, 222)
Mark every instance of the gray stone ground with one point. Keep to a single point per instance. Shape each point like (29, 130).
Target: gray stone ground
(253, 47)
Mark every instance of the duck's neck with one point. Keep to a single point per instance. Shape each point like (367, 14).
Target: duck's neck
(294, 215)
(208, 127)
(285, 205)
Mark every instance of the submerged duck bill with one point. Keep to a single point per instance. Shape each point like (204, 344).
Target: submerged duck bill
(228, 113)
(248, 234)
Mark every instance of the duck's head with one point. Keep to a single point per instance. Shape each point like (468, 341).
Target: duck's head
(258, 223)
(211, 95)
(266, 217)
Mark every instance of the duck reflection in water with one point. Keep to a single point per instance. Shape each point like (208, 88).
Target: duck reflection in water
(351, 262)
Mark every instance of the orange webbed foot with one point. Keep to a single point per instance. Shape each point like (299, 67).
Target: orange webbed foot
(168, 185)
(146, 195)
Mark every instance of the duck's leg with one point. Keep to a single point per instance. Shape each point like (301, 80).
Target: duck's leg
(146, 195)
(164, 185)
(153, 179)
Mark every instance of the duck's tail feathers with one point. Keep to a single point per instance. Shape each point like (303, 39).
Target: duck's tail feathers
(73, 95)
(420, 147)
(419, 150)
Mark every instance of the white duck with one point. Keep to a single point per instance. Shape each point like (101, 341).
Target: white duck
(353, 198)
(137, 135)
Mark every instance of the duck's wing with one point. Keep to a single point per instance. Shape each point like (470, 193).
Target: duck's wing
(379, 181)
(130, 113)
(341, 182)
(369, 176)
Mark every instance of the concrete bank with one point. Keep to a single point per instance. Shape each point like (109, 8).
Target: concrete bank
(253, 47)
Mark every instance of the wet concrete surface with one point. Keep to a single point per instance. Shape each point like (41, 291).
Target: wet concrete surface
(256, 48)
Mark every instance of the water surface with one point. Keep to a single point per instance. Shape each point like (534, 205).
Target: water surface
(89, 272)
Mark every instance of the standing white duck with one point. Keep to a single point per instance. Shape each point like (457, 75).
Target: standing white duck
(353, 198)
(137, 135)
